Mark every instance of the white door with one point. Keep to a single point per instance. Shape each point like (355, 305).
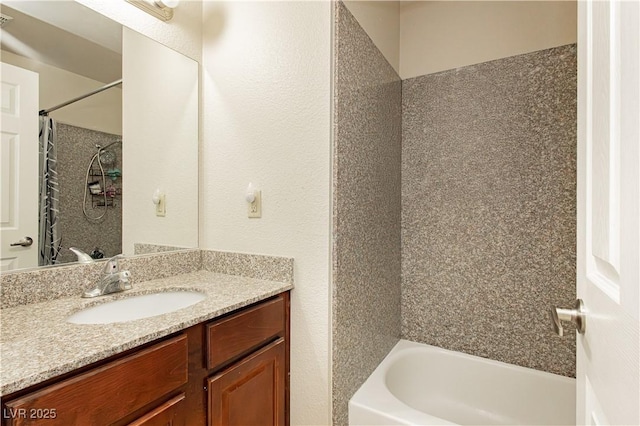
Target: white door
(19, 168)
(608, 355)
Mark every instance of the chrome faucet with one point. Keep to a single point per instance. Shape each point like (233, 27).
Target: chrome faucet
(113, 279)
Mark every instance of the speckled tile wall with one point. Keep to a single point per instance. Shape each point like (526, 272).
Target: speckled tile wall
(489, 208)
(76, 147)
(366, 215)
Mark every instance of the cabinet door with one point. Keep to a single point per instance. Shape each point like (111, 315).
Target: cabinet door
(251, 392)
(171, 413)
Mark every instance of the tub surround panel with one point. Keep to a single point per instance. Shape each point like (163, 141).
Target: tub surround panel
(38, 344)
(489, 207)
(76, 147)
(366, 212)
(273, 268)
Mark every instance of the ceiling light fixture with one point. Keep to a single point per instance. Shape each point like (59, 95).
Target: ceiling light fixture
(161, 9)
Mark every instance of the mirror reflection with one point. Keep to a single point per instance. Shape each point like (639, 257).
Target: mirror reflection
(67, 159)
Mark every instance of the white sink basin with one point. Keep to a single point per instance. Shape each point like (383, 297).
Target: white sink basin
(136, 307)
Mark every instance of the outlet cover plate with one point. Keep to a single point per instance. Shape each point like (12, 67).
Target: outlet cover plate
(255, 208)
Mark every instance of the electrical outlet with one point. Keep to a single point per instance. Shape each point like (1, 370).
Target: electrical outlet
(161, 207)
(255, 208)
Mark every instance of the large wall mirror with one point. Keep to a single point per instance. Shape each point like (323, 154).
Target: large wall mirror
(99, 138)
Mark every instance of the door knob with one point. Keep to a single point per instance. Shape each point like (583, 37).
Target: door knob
(576, 315)
(25, 242)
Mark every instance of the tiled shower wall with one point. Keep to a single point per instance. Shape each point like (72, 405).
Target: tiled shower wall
(76, 147)
(366, 215)
(489, 208)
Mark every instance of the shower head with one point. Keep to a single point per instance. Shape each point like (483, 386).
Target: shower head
(107, 157)
(4, 20)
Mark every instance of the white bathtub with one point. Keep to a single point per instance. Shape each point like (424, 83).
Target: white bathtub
(419, 384)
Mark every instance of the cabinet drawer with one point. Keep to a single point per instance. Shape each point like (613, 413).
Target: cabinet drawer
(105, 394)
(231, 337)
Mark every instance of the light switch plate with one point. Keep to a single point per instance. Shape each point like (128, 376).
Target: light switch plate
(161, 207)
(255, 208)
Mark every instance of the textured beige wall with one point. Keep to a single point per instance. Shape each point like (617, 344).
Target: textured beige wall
(183, 33)
(381, 21)
(174, 167)
(267, 103)
(160, 147)
(442, 35)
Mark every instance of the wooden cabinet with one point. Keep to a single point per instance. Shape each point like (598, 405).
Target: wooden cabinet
(171, 413)
(108, 393)
(236, 335)
(252, 390)
(230, 371)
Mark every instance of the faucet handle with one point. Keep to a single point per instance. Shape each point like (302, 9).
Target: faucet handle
(124, 279)
(113, 265)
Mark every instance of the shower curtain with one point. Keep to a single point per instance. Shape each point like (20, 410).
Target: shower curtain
(49, 238)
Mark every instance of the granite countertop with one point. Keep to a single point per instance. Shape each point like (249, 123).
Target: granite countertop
(37, 343)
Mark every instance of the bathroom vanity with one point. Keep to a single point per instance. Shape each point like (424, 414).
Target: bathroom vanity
(230, 367)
